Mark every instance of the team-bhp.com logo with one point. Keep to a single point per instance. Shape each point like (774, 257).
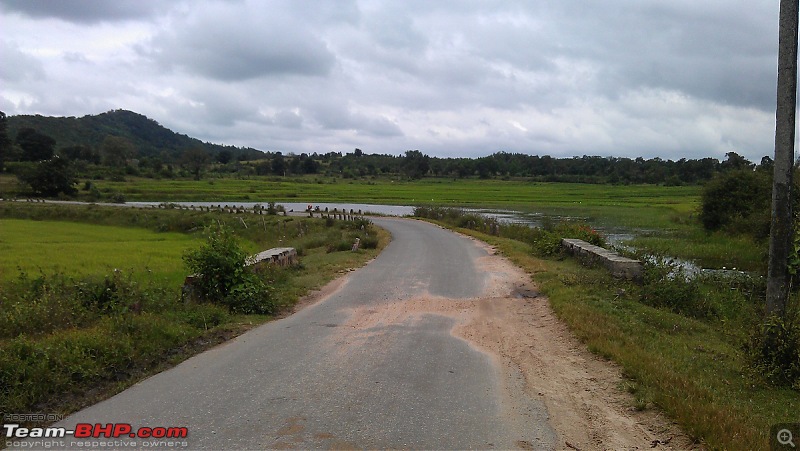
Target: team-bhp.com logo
(97, 430)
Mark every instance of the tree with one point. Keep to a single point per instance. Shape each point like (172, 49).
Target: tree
(309, 165)
(735, 162)
(49, 178)
(225, 156)
(415, 164)
(116, 151)
(737, 201)
(194, 159)
(80, 152)
(5, 142)
(35, 146)
(278, 166)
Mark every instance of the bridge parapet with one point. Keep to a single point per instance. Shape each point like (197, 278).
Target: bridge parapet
(619, 266)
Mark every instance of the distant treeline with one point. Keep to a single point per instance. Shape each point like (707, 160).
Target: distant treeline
(119, 143)
(585, 169)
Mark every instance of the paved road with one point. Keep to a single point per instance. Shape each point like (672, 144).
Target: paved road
(313, 381)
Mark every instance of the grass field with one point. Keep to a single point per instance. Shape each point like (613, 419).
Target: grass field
(620, 203)
(76, 249)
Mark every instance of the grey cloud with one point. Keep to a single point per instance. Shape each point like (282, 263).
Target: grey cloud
(19, 66)
(288, 119)
(75, 57)
(85, 11)
(340, 117)
(227, 46)
(719, 51)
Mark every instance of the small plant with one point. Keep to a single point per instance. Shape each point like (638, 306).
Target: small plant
(773, 351)
(666, 284)
(117, 198)
(223, 277)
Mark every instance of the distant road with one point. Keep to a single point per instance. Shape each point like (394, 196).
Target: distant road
(338, 374)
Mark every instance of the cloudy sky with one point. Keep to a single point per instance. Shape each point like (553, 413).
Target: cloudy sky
(668, 78)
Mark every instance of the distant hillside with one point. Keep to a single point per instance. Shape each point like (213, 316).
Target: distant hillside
(147, 135)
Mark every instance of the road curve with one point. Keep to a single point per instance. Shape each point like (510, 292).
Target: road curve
(314, 380)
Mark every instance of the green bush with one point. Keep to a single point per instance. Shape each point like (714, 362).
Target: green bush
(251, 297)
(666, 284)
(740, 202)
(219, 263)
(547, 241)
(370, 242)
(340, 246)
(773, 351)
(223, 277)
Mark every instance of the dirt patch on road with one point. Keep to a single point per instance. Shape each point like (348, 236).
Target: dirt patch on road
(587, 406)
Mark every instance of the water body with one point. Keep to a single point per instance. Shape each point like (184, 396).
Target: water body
(615, 236)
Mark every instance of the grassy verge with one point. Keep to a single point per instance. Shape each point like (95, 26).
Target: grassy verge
(709, 250)
(693, 369)
(82, 333)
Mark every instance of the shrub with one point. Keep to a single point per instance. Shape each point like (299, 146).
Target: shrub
(370, 242)
(773, 351)
(340, 246)
(666, 284)
(223, 277)
(739, 200)
(117, 198)
(251, 297)
(547, 242)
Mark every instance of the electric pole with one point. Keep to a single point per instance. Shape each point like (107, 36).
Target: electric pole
(780, 241)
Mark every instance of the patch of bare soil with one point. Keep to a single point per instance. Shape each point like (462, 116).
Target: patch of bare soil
(315, 296)
(516, 326)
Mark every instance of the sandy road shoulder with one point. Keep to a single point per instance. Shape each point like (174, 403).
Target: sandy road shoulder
(582, 392)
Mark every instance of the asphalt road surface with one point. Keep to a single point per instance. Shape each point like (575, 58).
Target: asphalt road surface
(311, 380)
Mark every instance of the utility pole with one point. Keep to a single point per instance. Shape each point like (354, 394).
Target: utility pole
(780, 242)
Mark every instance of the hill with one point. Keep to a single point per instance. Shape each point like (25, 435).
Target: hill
(148, 136)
